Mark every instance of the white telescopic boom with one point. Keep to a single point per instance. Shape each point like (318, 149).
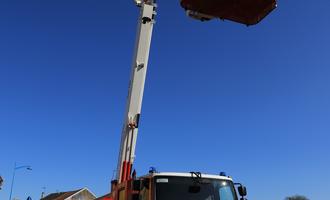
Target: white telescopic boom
(136, 88)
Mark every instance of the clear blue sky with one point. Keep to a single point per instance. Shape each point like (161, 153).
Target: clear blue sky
(254, 102)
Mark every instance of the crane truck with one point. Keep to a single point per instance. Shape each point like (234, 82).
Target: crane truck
(174, 186)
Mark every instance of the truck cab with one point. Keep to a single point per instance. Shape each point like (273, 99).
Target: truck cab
(179, 186)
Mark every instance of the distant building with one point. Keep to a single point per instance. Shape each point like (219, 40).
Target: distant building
(81, 194)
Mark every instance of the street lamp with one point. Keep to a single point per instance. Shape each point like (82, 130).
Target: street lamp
(27, 167)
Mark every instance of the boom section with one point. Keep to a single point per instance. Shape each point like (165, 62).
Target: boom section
(136, 88)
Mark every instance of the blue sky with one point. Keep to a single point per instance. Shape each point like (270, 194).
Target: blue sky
(219, 96)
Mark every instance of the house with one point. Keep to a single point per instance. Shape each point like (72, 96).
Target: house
(81, 194)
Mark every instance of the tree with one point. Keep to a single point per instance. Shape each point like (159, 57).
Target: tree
(297, 197)
(1, 181)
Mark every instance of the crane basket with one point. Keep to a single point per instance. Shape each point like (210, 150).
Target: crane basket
(247, 12)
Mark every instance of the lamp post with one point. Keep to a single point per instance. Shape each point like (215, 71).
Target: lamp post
(27, 167)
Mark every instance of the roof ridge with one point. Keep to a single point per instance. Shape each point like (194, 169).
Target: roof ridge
(60, 195)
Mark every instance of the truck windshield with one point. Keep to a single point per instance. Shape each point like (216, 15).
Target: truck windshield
(186, 188)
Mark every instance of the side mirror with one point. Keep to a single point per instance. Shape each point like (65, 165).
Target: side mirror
(242, 190)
